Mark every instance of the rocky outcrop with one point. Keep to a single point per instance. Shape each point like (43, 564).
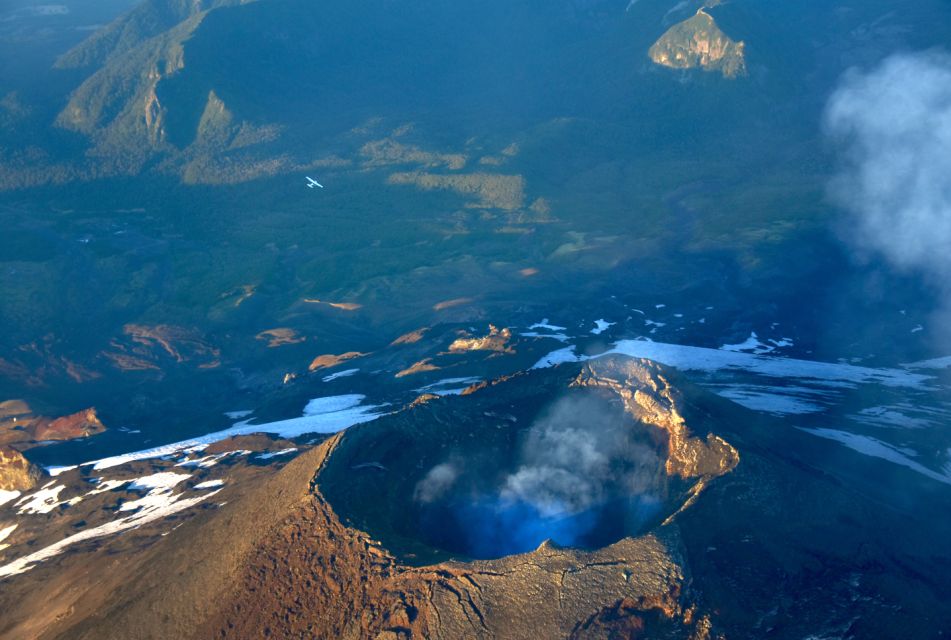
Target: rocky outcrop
(421, 366)
(495, 340)
(698, 43)
(332, 360)
(280, 336)
(16, 472)
(78, 425)
(649, 398)
(450, 304)
(342, 306)
(410, 338)
(19, 425)
(144, 347)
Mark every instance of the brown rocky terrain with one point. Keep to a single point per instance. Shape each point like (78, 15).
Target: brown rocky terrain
(421, 366)
(449, 304)
(275, 558)
(78, 425)
(21, 429)
(363, 592)
(649, 398)
(495, 340)
(343, 306)
(332, 360)
(410, 338)
(276, 561)
(280, 336)
(251, 442)
(144, 347)
(16, 472)
(19, 425)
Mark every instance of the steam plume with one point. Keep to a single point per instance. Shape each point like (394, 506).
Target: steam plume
(583, 474)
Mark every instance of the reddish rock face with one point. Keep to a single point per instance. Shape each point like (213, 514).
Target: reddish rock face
(20, 426)
(16, 472)
(78, 425)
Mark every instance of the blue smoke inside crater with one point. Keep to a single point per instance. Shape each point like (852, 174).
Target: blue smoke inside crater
(491, 528)
(584, 475)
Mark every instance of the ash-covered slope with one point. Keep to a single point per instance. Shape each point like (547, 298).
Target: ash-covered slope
(334, 546)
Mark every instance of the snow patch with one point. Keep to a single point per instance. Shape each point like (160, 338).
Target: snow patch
(159, 487)
(103, 486)
(5, 533)
(274, 454)
(689, 358)
(890, 417)
(149, 512)
(449, 386)
(934, 363)
(558, 357)
(703, 359)
(600, 326)
(754, 345)
(321, 415)
(209, 484)
(55, 471)
(44, 500)
(771, 399)
(346, 373)
(545, 325)
(7, 496)
(561, 337)
(877, 449)
(162, 480)
(206, 462)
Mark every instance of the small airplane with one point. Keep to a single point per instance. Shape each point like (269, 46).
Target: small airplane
(311, 183)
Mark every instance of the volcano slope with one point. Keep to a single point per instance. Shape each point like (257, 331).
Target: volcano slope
(683, 521)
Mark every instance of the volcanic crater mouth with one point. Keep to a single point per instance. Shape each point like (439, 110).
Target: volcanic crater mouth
(445, 480)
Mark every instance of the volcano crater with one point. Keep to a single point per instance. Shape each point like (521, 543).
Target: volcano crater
(581, 456)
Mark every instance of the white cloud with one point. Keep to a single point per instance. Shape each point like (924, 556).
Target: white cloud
(893, 125)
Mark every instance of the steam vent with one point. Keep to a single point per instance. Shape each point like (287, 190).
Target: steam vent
(547, 487)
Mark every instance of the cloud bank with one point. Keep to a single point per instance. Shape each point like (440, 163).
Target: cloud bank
(893, 127)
